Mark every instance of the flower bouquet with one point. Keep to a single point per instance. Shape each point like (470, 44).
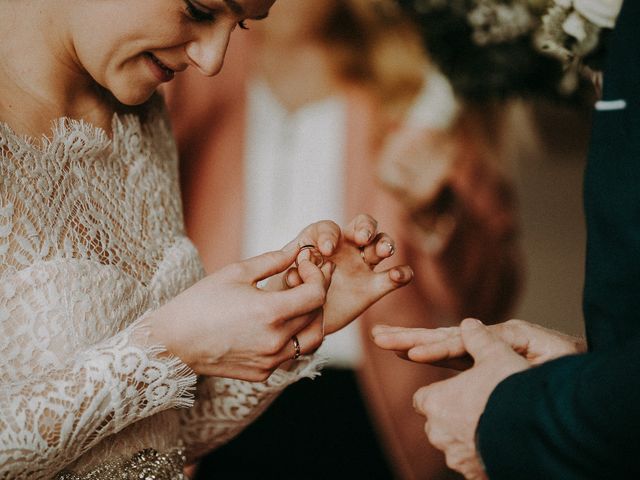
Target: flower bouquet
(496, 49)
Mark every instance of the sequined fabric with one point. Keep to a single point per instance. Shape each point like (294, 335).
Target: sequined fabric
(147, 464)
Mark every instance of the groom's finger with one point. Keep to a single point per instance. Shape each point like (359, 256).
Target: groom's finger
(480, 342)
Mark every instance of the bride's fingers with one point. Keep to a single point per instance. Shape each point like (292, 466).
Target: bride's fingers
(323, 235)
(361, 229)
(292, 278)
(380, 248)
(258, 268)
(311, 337)
(296, 325)
(382, 283)
(398, 277)
(309, 295)
(308, 339)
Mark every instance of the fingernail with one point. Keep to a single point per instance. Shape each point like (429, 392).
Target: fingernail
(328, 246)
(376, 330)
(365, 235)
(304, 255)
(390, 248)
(473, 322)
(399, 276)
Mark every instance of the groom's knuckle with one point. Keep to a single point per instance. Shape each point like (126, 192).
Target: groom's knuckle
(436, 438)
(421, 400)
(514, 322)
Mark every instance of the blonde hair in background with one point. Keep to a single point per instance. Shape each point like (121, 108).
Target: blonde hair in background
(374, 45)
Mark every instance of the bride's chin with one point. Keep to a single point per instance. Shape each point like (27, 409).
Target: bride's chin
(132, 99)
(130, 95)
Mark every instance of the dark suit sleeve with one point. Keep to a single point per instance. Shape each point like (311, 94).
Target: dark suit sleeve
(574, 418)
(579, 417)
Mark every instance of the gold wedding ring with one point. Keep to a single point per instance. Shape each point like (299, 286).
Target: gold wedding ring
(311, 253)
(296, 347)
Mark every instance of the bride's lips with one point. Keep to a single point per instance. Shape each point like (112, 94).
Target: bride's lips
(159, 69)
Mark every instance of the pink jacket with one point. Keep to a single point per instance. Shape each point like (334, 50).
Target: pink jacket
(474, 276)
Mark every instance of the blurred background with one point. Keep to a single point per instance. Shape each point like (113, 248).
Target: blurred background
(549, 188)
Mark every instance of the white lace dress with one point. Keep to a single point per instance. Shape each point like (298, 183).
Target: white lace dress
(91, 238)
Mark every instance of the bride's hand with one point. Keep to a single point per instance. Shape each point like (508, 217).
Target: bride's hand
(355, 285)
(224, 325)
(444, 346)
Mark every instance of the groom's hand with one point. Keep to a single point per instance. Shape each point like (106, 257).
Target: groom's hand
(453, 407)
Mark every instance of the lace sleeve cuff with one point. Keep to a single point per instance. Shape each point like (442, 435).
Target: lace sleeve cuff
(50, 420)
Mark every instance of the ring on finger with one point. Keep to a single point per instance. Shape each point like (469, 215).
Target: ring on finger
(315, 256)
(296, 348)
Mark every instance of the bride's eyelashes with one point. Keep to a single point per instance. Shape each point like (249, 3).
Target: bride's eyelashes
(198, 14)
(201, 15)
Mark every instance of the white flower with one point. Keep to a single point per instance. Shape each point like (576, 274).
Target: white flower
(574, 27)
(603, 13)
(565, 4)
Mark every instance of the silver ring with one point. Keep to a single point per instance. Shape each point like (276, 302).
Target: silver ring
(296, 347)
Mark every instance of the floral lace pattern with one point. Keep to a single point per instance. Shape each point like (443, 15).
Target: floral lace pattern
(91, 238)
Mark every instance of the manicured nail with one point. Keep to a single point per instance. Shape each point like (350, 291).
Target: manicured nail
(365, 235)
(474, 322)
(389, 247)
(377, 330)
(285, 280)
(304, 254)
(328, 246)
(398, 275)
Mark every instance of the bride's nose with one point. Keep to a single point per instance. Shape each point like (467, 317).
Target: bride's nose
(207, 51)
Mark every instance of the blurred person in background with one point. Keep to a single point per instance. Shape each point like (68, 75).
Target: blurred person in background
(305, 106)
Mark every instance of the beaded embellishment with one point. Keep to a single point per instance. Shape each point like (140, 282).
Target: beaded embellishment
(147, 464)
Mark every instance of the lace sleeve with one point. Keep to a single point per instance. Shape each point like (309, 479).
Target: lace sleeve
(48, 421)
(224, 407)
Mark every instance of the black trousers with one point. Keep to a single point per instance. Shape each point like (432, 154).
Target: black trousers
(316, 429)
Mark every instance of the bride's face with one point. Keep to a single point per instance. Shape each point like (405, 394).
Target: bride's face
(130, 47)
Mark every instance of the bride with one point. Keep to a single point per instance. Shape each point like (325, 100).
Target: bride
(106, 321)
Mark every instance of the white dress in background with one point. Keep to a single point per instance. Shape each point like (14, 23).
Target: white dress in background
(295, 174)
(92, 238)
